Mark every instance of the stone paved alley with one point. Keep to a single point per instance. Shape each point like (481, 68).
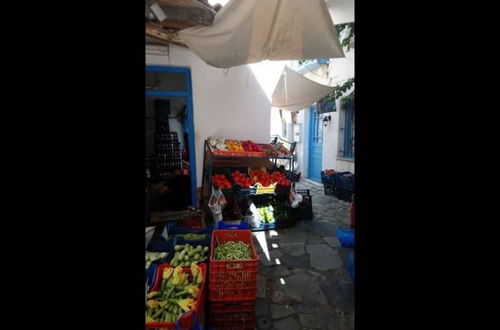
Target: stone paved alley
(304, 284)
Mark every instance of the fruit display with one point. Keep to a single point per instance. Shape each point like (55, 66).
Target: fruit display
(177, 294)
(153, 256)
(232, 250)
(261, 177)
(187, 254)
(280, 178)
(221, 181)
(242, 179)
(251, 146)
(234, 145)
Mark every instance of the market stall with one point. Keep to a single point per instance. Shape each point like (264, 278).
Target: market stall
(243, 188)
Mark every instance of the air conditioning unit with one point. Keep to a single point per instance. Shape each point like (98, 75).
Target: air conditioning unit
(156, 50)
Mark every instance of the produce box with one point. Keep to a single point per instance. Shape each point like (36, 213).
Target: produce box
(182, 234)
(220, 180)
(184, 253)
(243, 225)
(232, 315)
(187, 320)
(158, 243)
(232, 280)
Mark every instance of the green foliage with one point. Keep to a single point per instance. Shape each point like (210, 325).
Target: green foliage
(340, 91)
(346, 42)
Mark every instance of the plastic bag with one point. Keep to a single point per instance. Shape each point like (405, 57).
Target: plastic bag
(216, 204)
(346, 237)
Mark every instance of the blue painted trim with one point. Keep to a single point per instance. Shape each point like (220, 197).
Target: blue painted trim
(191, 137)
(349, 115)
(167, 93)
(190, 116)
(310, 136)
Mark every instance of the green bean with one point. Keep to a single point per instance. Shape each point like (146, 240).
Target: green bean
(233, 250)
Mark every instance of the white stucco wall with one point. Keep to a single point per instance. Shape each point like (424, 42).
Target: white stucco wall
(232, 105)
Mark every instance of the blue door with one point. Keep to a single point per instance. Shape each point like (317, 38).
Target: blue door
(315, 144)
(167, 88)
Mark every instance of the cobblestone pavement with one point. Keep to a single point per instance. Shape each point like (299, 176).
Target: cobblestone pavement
(303, 281)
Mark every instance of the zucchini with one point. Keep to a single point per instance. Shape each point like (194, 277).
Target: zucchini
(182, 254)
(153, 294)
(158, 313)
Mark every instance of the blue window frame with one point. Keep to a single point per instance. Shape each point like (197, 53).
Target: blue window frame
(182, 91)
(349, 131)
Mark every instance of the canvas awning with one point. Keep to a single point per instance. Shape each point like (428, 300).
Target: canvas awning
(294, 92)
(250, 31)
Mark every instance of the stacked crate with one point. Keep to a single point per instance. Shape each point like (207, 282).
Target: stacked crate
(168, 151)
(232, 284)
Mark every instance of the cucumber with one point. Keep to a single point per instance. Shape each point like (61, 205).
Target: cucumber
(192, 253)
(205, 249)
(186, 258)
(197, 256)
(199, 248)
(182, 254)
(178, 247)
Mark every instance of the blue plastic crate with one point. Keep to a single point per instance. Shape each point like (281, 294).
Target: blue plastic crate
(243, 225)
(350, 264)
(160, 244)
(346, 237)
(174, 230)
(151, 274)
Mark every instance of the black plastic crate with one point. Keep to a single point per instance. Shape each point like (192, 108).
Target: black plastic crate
(294, 177)
(344, 194)
(344, 181)
(330, 179)
(330, 189)
(304, 210)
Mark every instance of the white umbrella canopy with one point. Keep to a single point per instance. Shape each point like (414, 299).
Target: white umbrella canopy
(294, 92)
(250, 31)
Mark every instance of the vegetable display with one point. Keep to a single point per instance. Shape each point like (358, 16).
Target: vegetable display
(232, 250)
(266, 214)
(176, 295)
(186, 254)
(221, 181)
(242, 179)
(261, 176)
(251, 146)
(280, 178)
(192, 236)
(153, 256)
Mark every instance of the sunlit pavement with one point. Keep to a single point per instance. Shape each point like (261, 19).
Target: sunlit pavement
(303, 281)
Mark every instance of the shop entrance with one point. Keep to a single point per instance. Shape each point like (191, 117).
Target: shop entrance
(170, 147)
(315, 144)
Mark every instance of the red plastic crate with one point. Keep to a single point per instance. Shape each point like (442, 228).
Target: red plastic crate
(233, 280)
(232, 315)
(186, 321)
(232, 307)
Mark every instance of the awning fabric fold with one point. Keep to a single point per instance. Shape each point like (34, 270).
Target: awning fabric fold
(250, 31)
(295, 92)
